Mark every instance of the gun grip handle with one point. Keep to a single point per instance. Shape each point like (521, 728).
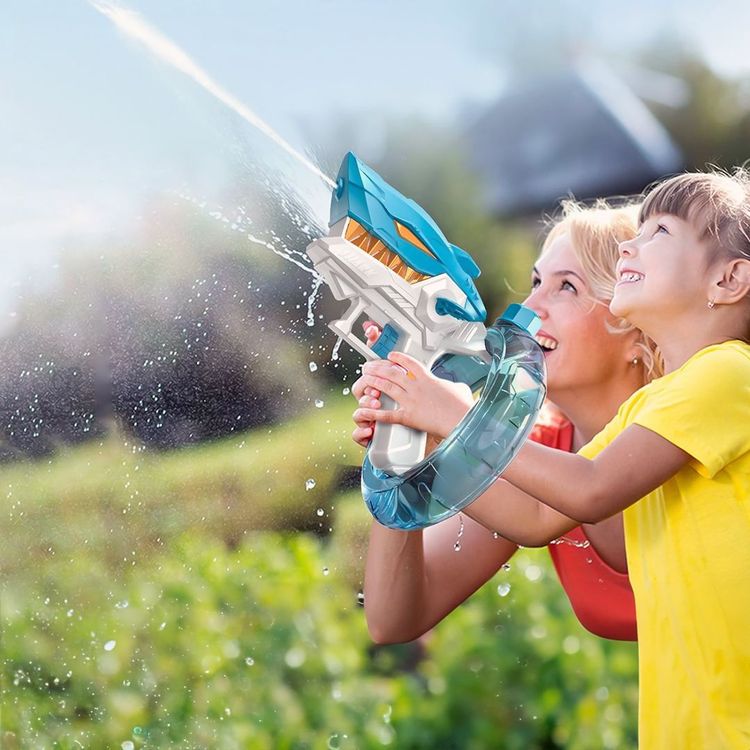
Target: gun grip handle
(395, 448)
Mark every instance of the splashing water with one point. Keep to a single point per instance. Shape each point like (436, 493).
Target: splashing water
(457, 545)
(307, 221)
(572, 542)
(134, 25)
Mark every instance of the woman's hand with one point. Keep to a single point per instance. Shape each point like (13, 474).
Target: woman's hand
(425, 402)
(366, 396)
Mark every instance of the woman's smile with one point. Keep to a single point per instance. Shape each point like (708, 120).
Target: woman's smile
(547, 342)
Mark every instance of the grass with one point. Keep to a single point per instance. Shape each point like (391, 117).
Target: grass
(120, 501)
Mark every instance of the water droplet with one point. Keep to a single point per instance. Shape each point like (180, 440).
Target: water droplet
(346, 391)
(249, 661)
(320, 511)
(571, 542)
(313, 367)
(109, 645)
(533, 572)
(334, 741)
(295, 657)
(361, 597)
(310, 484)
(506, 567)
(127, 745)
(319, 403)
(503, 589)
(122, 605)
(326, 571)
(457, 545)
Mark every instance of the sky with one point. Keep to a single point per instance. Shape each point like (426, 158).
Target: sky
(91, 124)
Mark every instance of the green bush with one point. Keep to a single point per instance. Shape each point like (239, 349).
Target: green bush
(259, 647)
(265, 646)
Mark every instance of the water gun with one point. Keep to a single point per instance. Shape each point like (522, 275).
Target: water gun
(387, 256)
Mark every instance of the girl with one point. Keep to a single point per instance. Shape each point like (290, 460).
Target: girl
(593, 365)
(675, 459)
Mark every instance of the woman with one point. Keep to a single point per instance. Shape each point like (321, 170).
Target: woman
(594, 362)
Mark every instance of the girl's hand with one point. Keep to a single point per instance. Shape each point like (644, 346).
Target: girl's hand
(425, 402)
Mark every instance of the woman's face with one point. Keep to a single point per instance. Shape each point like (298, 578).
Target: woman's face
(579, 350)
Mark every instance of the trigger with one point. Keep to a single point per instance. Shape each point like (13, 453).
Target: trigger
(387, 341)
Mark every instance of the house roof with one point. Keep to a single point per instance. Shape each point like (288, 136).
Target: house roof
(581, 132)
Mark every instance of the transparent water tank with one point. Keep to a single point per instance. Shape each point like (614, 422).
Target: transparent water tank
(483, 443)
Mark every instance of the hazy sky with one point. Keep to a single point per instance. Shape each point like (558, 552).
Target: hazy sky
(90, 124)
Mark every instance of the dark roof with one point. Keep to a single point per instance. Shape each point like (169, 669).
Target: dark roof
(582, 132)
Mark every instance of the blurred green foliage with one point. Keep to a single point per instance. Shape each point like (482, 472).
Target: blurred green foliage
(264, 646)
(712, 123)
(221, 636)
(120, 502)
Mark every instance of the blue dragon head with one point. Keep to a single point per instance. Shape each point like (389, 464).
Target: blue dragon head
(408, 231)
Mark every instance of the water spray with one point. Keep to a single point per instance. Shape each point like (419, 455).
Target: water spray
(389, 258)
(131, 23)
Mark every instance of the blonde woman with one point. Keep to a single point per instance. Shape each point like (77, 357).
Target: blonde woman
(594, 363)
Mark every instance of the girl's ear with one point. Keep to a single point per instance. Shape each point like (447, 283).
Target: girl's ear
(734, 285)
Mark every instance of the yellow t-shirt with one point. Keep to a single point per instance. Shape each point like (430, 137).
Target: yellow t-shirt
(688, 549)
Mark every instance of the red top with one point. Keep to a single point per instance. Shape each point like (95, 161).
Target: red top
(600, 596)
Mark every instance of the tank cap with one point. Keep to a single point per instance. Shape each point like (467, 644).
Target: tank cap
(523, 317)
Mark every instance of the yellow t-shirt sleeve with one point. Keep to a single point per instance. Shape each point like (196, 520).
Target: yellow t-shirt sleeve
(704, 408)
(602, 439)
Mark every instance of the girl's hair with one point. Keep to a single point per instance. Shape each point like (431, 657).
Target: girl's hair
(595, 233)
(716, 204)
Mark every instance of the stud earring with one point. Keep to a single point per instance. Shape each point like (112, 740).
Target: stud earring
(634, 361)
(711, 304)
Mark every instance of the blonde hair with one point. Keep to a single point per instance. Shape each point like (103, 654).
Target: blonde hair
(716, 204)
(595, 233)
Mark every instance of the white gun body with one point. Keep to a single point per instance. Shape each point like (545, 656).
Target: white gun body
(384, 296)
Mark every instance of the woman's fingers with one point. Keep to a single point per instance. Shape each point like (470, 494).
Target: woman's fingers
(362, 435)
(389, 416)
(361, 388)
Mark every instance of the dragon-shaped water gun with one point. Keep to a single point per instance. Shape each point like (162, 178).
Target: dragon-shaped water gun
(386, 256)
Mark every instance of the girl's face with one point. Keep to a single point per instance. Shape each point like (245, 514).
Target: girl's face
(661, 274)
(579, 350)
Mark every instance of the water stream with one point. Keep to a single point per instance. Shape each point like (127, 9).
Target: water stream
(135, 26)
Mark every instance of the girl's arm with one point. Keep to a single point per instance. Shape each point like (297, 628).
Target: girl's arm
(553, 491)
(635, 463)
